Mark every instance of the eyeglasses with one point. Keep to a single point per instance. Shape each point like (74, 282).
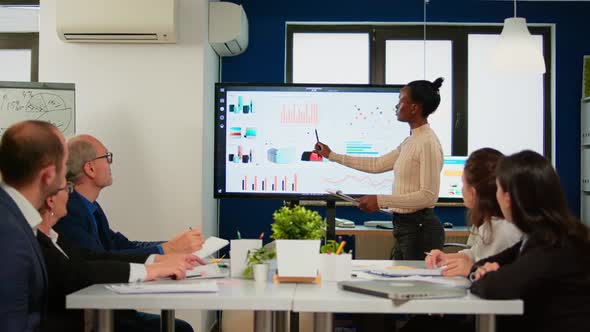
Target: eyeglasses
(69, 188)
(108, 156)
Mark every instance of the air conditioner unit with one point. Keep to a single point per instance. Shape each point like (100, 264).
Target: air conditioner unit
(228, 28)
(116, 21)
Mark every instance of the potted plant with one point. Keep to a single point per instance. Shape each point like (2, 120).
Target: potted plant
(297, 232)
(256, 263)
(335, 266)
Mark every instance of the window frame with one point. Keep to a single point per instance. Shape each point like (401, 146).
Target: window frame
(458, 34)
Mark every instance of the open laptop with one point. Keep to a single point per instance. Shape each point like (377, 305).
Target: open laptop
(403, 289)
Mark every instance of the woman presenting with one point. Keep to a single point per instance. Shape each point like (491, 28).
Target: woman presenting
(417, 163)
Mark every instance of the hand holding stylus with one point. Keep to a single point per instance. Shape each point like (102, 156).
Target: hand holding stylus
(322, 149)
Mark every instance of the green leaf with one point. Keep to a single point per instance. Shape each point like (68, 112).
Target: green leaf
(297, 223)
(330, 245)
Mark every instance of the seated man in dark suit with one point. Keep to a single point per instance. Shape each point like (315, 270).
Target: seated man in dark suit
(32, 162)
(71, 269)
(86, 224)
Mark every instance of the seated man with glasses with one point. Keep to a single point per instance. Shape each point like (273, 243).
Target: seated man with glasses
(86, 225)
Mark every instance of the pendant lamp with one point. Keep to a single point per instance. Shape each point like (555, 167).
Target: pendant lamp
(517, 50)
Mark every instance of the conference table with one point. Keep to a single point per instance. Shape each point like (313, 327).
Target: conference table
(272, 303)
(327, 299)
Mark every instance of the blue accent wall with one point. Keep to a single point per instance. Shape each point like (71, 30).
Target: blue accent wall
(264, 62)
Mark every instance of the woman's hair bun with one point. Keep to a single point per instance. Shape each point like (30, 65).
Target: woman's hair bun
(437, 84)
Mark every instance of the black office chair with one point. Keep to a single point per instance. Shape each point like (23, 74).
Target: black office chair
(453, 247)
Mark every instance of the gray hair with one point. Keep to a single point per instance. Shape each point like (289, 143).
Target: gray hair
(80, 152)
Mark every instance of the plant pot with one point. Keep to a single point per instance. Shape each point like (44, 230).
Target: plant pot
(298, 258)
(238, 254)
(260, 272)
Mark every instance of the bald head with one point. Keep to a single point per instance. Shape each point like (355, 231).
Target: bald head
(82, 149)
(26, 148)
(88, 166)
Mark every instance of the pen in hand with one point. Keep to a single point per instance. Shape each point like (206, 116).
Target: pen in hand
(434, 265)
(318, 146)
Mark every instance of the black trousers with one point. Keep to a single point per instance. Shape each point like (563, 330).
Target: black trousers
(416, 233)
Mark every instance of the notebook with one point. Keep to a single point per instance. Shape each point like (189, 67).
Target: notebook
(403, 289)
(401, 271)
(345, 197)
(154, 288)
(211, 246)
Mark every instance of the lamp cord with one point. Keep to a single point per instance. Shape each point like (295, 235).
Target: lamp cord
(424, 31)
(514, 8)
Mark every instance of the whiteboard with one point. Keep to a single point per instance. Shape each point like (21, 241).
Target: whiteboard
(51, 102)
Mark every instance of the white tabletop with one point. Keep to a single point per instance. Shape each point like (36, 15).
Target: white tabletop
(328, 297)
(234, 294)
(241, 294)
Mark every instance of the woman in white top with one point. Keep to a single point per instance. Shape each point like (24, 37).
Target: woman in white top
(491, 232)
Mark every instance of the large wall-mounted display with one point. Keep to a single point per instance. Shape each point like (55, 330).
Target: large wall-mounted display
(265, 135)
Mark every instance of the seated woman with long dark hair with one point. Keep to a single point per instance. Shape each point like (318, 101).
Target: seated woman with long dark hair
(550, 268)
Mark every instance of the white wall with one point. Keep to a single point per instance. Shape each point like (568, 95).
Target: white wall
(152, 106)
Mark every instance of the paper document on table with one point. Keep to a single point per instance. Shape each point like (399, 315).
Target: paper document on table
(345, 197)
(177, 287)
(208, 271)
(211, 246)
(401, 271)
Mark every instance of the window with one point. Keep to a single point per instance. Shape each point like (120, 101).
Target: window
(19, 42)
(510, 103)
(478, 104)
(326, 58)
(434, 58)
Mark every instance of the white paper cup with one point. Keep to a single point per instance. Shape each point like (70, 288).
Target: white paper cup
(260, 272)
(335, 267)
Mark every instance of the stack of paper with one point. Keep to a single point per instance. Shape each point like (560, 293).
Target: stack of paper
(206, 272)
(150, 288)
